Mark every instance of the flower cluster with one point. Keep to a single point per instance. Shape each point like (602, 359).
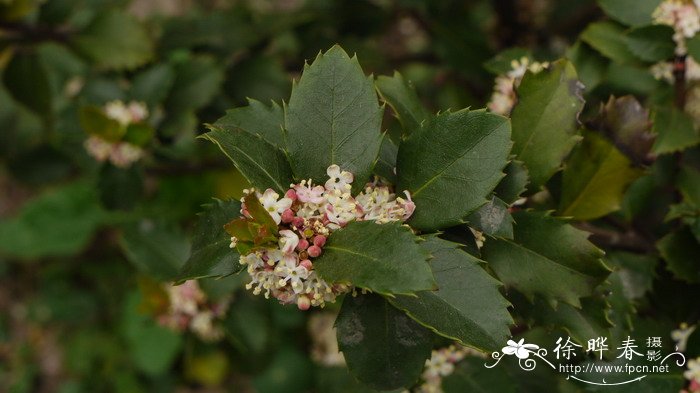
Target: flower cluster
(442, 364)
(121, 153)
(692, 374)
(683, 16)
(190, 310)
(503, 98)
(305, 215)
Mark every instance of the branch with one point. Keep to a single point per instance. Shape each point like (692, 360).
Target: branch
(33, 33)
(628, 240)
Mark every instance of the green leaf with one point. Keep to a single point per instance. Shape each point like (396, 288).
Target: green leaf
(680, 250)
(544, 120)
(636, 271)
(403, 100)
(156, 249)
(688, 183)
(452, 164)
(383, 347)
(197, 81)
(651, 43)
(254, 232)
(95, 122)
(59, 222)
(470, 375)
(514, 183)
(139, 134)
(674, 131)
(493, 219)
(115, 40)
(152, 85)
(211, 255)
(28, 82)
(248, 326)
(533, 263)
(626, 122)
(384, 258)
(333, 117)
(256, 119)
(262, 164)
(693, 45)
(609, 39)
(630, 12)
(386, 162)
(467, 307)
(590, 65)
(595, 179)
(582, 323)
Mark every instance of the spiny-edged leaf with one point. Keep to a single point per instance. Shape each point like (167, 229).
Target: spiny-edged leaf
(651, 43)
(386, 162)
(27, 81)
(547, 257)
(383, 347)
(674, 131)
(630, 12)
(514, 183)
(544, 120)
(452, 164)
(502, 62)
(59, 222)
(333, 117)
(402, 98)
(636, 271)
(139, 134)
(384, 258)
(595, 179)
(621, 310)
(609, 39)
(115, 40)
(680, 250)
(467, 306)
(155, 248)
(588, 321)
(262, 164)
(95, 122)
(626, 122)
(493, 219)
(211, 255)
(256, 119)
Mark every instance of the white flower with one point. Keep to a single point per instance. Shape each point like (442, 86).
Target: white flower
(288, 241)
(292, 273)
(138, 111)
(124, 154)
(681, 335)
(309, 194)
(272, 205)
(98, 148)
(338, 180)
(693, 371)
(116, 110)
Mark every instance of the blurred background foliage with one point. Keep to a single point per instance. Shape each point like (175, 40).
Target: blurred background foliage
(81, 241)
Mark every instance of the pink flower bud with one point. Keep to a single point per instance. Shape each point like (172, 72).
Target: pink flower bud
(291, 194)
(298, 222)
(303, 245)
(287, 216)
(246, 213)
(319, 240)
(314, 251)
(306, 264)
(303, 302)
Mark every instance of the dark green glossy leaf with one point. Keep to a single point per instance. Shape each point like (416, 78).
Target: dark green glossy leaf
(674, 131)
(514, 183)
(467, 306)
(401, 97)
(630, 12)
(651, 43)
(333, 117)
(544, 120)
(156, 249)
(384, 258)
(256, 119)
(609, 39)
(493, 219)
(383, 347)
(533, 263)
(680, 250)
(386, 162)
(27, 81)
(452, 164)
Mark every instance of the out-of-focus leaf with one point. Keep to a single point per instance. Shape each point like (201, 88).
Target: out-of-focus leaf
(502, 62)
(631, 79)
(155, 248)
(630, 12)
(256, 119)
(248, 326)
(674, 131)
(651, 43)
(609, 39)
(688, 183)
(627, 124)
(493, 219)
(333, 117)
(636, 272)
(384, 258)
(590, 65)
(197, 80)
(401, 96)
(544, 120)
(211, 254)
(289, 371)
(514, 183)
(383, 347)
(27, 81)
(95, 122)
(152, 85)
(565, 270)
(452, 164)
(386, 162)
(57, 223)
(467, 306)
(115, 40)
(680, 250)
(595, 179)
(208, 369)
(120, 188)
(693, 45)
(139, 134)
(470, 375)
(588, 321)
